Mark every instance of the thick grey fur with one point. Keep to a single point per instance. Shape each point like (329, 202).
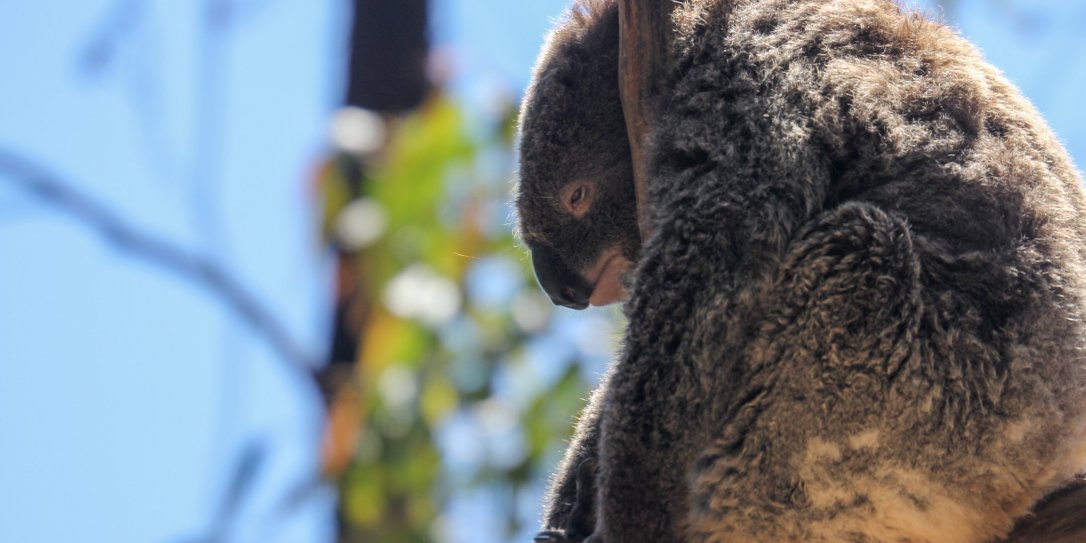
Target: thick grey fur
(860, 315)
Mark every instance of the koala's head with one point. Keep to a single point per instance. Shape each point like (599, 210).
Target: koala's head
(575, 197)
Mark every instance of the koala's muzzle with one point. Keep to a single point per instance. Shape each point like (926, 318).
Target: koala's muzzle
(564, 286)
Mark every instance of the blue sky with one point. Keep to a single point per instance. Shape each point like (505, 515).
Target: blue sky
(127, 396)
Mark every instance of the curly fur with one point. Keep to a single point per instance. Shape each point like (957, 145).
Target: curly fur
(860, 316)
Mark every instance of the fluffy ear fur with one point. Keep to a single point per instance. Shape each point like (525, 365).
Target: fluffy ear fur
(862, 314)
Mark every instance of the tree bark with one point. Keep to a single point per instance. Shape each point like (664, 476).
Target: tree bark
(644, 39)
(389, 47)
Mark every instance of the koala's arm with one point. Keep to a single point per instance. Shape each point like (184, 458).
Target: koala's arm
(569, 508)
(722, 215)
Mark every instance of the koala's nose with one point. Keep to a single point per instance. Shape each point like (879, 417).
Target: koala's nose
(571, 298)
(562, 285)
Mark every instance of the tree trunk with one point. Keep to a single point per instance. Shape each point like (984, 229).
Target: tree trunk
(644, 38)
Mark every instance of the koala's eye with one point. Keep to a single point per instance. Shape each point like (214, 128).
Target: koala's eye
(578, 198)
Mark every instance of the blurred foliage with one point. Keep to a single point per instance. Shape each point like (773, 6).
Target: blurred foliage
(455, 387)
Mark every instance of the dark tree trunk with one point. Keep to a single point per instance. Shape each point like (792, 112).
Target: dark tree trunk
(389, 45)
(644, 35)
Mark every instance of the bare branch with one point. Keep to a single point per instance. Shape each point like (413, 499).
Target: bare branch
(644, 38)
(38, 181)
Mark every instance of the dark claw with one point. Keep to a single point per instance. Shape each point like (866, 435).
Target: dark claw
(550, 537)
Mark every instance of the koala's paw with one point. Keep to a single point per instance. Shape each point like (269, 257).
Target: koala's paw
(562, 537)
(551, 537)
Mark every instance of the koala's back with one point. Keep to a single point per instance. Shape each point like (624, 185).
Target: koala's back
(879, 250)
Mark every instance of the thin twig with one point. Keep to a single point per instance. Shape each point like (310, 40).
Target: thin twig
(37, 180)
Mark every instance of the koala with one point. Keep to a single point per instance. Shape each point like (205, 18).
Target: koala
(859, 313)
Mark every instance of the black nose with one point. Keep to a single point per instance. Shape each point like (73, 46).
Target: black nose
(565, 287)
(569, 297)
